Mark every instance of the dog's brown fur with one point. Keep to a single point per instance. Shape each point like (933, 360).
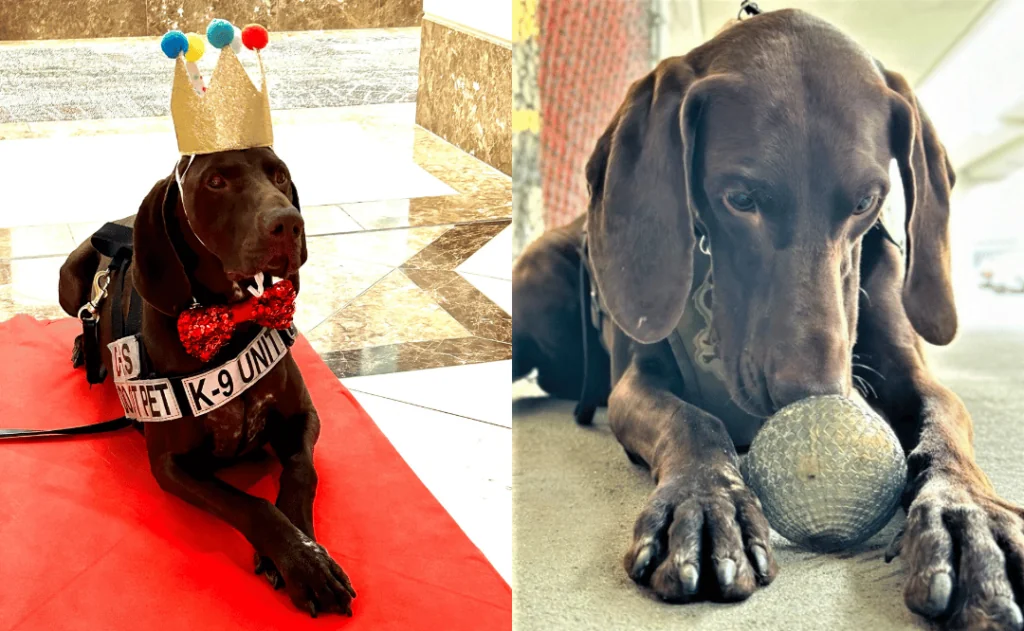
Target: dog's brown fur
(239, 216)
(785, 109)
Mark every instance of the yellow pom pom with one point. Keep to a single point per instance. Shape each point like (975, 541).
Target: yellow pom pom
(196, 47)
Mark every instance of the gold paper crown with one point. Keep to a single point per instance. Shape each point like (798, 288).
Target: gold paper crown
(231, 114)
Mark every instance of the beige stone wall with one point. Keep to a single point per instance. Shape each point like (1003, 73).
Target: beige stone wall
(60, 19)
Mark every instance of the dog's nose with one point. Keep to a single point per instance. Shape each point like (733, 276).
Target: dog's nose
(284, 224)
(784, 391)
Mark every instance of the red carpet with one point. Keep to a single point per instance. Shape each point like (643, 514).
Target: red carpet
(88, 541)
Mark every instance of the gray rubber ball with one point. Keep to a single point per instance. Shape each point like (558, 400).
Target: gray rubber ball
(829, 472)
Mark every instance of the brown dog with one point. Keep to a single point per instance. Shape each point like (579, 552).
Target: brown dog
(763, 154)
(238, 217)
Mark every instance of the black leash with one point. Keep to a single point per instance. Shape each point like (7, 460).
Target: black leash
(115, 241)
(95, 428)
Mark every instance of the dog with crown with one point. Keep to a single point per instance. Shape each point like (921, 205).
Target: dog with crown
(180, 307)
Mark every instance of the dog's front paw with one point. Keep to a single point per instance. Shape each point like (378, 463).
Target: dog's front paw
(963, 548)
(269, 571)
(314, 581)
(702, 536)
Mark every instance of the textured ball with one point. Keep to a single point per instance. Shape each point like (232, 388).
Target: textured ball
(255, 37)
(173, 43)
(829, 472)
(220, 33)
(196, 47)
(236, 41)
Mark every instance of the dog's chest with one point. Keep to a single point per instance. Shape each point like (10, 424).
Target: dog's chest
(239, 426)
(696, 353)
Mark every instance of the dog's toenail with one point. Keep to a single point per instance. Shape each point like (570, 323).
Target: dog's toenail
(760, 559)
(642, 559)
(726, 572)
(688, 575)
(939, 590)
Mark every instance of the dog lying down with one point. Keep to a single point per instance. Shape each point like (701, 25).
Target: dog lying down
(739, 261)
(234, 221)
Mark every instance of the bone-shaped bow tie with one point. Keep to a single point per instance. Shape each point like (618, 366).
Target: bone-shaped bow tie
(205, 330)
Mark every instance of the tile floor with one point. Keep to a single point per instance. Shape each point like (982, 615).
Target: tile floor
(406, 294)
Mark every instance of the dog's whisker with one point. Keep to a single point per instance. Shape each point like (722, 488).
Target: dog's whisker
(866, 367)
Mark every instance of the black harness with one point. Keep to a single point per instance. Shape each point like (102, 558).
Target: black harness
(145, 391)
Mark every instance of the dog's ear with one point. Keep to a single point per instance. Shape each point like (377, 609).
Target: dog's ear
(303, 255)
(928, 179)
(640, 222)
(157, 272)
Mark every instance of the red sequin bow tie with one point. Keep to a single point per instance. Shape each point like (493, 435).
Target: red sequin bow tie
(205, 330)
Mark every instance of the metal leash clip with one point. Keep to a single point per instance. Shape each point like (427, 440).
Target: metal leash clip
(748, 8)
(90, 310)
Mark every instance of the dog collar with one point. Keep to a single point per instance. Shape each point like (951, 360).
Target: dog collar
(157, 399)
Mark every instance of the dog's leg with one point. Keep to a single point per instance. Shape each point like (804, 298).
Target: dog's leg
(294, 447)
(702, 533)
(547, 324)
(314, 581)
(963, 545)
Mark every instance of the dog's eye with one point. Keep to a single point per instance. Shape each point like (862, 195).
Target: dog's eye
(866, 203)
(739, 201)
(216, 181)
(280, 177)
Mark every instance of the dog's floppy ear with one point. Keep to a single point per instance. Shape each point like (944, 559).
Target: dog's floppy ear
(928, 179)
(157, 272)
(640, 223)
(304, 254)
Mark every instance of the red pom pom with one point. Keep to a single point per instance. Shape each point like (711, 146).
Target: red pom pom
(255, 37)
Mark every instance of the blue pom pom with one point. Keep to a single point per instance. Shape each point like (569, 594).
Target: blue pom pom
(174, 43)
(220, 33)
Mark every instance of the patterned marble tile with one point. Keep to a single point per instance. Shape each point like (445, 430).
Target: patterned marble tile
(469, 391)
(327, 285)
(494, 259)
(456, 245)
(465, 303)
(465, 93)
(497, 290)
(322, 220)
(25, 241)
(465, 464)
(30, 286)
(430, 211)
(458, 169)
(415, 355)
(386, 247)
(393, 311)
(83, 230)
(379, 169)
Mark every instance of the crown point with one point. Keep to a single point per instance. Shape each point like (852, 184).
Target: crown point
(173, 43)
(196, 47)
(220, 33)
(255, 37)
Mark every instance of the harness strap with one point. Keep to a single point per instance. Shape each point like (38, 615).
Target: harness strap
(147, 397)
(116, 241)
(590, 315)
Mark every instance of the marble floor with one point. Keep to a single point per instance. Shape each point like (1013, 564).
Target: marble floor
(128, 77)
(406, 294)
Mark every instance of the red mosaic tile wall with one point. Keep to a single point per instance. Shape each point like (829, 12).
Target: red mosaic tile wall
(590, 52)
